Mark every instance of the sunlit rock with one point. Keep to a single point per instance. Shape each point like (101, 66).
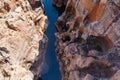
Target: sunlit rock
(22, 39)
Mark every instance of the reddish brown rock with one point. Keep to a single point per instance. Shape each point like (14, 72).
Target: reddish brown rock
(88, 39)
(59, 3)
(116, 76)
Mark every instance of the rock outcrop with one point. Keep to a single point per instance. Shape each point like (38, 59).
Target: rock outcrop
(88, 39)
(22, 39)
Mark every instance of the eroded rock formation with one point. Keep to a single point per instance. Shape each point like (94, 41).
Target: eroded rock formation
(22, 39)
(88, 39)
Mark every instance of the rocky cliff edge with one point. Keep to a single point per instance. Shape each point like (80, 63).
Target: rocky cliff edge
(22, 39)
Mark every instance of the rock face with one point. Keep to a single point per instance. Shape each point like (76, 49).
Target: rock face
(88, 39)
(22, 39)
(59, 3)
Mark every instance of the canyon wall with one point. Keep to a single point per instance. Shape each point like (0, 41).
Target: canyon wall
(22, 39)
(88, 39)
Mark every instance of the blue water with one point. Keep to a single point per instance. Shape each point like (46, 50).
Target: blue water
(51, 67)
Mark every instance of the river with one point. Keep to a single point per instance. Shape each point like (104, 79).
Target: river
(51, 66)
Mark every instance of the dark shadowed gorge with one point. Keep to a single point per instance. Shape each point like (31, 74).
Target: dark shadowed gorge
(51, 69)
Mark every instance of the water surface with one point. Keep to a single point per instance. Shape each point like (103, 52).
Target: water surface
(51, 67)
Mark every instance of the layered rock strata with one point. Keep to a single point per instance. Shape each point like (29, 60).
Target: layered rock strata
(88, 39)
(22, 39)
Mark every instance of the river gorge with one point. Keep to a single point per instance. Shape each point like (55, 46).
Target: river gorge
(59, 39)
(51, 69)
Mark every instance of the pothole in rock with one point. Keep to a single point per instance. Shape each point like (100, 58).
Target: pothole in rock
(99, 70)
(99, 43)
(66, 38)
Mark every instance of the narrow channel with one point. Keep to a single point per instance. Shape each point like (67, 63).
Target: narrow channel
(51, 66)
